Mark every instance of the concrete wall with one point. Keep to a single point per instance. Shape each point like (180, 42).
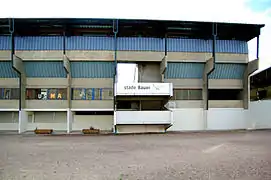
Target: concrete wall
(213, 83)
(260, 114)
(48, 120)
(143, 117)
(79, 55)
(188, 120)
(91, 82)
(9, 121)
(198, 119)
(9, 104)
(226, 119)
(212, 104)
(46, 104)
(149, 72)
(46, 83)
(102, 122)
(140, 128)
(92, 104)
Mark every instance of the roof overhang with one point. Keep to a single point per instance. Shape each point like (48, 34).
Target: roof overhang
(132, 27)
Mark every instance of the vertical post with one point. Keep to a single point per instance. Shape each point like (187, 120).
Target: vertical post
(258, 43)
(115, 31)
(64, 42)
(165, 44)
(214, 33)
(12, 53)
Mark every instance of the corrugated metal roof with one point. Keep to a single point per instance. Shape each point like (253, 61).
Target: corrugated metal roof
(46, 69)
(88, 69)
(6, 70)
(184, 70)
(228, 71)
(39, 43)
(195, 70)
(124, 43)
(5, 42)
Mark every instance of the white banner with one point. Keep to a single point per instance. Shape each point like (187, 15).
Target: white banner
(145, 89)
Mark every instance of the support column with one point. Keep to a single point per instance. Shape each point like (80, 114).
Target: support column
(208, 68)
(252, 66)
(18, 66)
(67, 67)
(163, 64)
(115, 31)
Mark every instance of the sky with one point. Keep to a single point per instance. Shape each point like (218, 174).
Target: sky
(240, 11)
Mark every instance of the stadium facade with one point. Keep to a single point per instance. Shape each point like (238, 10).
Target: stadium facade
(61, 74)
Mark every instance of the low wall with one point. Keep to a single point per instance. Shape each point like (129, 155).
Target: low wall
(260, 114)
(143, 117)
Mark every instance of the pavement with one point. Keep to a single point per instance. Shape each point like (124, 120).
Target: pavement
(210, 156)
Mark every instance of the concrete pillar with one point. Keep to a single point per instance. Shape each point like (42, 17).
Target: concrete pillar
(208, 67)
(23, 121)
(18, 66)
(163, 67)
(252, 66)
(67, 67)
(69, 120)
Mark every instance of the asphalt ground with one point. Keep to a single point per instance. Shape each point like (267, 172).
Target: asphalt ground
(215, 156)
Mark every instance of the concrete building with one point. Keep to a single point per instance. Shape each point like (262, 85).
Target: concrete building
(61, 74)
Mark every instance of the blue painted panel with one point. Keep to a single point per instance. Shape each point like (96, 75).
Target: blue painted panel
(90, 43)
(5, 42)
(188, 45)
(228, 71)
(195, 70)
(46, 69)
(184, 70)
(34, 43)
(232, 46)
(198, 45)
(88, 69)
(123, 43)
(6, 70)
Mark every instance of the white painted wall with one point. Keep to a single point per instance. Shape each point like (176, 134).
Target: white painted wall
(49, 120)
(187, 119)
(54, 126)
(143, 117)
(226, 118)
(23, 120)
(260, 114)
(102, 122)
(9, 121)
(69, 120)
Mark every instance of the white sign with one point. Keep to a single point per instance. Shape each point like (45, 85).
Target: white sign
(164, 89)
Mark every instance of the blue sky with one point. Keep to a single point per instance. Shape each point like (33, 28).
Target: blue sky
(259, 5)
